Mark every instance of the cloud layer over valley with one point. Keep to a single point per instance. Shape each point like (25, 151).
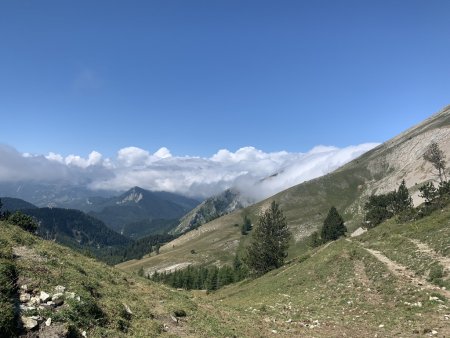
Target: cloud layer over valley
(255, 173)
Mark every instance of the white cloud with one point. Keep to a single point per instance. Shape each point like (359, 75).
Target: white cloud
(162, 153)
(133, 156)
(55, 157)
(248, 169)
(94, 158)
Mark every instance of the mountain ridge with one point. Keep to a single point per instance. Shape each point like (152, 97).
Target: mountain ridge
(305, 205)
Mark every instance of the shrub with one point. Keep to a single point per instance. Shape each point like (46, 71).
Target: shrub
(26, 222)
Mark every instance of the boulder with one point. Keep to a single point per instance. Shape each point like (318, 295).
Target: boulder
(34, 301)
(44, 296)
(48, 322)
(57, 296)
(24, 297)
(29, 323)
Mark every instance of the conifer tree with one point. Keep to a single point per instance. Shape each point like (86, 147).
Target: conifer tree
(333, 226)
(270, 241)
(211, 279)
(436, 157)
(403, 200)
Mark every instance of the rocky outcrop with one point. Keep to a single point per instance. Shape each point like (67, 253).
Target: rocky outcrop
(214, 207)
(41, 301)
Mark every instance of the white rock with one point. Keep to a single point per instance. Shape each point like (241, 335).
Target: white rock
(381, 325)
(57, 296)
(24, 287)
(127, 309)
(434, 332)
(78, 298)
(27, 308)
(48, 322)
(44, 296)
(29, 322)
(35, 301)
(60, 289)
(274, 331)
(70, 295)
(84, 334)
(24, 297)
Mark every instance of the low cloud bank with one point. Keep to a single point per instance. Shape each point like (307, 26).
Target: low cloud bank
(255, 173)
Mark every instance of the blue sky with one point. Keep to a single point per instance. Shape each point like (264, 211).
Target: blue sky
(199, 76)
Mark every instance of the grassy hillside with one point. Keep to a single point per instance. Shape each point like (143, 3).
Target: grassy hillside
(305, 205)
(105, 294)
(391, 281)
(343, 289)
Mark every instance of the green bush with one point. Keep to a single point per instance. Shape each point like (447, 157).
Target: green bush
(436, 274)
(26, 222)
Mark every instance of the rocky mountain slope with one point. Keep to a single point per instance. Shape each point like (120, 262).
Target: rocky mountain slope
(306, 204)
(225, 203)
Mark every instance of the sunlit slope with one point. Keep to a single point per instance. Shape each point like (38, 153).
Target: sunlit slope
(380, 284)
(306, 204)
(106, 294)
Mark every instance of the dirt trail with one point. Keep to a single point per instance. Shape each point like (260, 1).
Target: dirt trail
(405, 274)
(424, 248)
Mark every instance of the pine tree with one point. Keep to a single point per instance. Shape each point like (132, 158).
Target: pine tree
(246, 225)
(333, 226)
(268, 247)
(436, 157)
(403, 200)
(211, 279)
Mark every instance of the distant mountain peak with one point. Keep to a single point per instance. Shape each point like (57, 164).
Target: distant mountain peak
(134, 195)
